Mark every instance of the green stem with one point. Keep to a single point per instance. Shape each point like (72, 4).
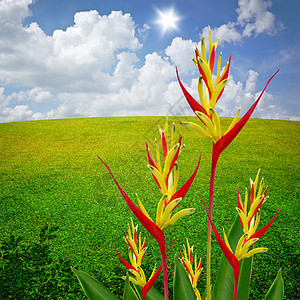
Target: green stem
(162, 249)
(236, 281)
(214, 161)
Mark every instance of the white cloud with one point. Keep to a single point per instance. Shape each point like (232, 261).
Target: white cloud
(251, 81)
(82, 53)
(238, 95)
(92, 69)
(253, 18)
(181, 52)
(138, 91)
(225, 33)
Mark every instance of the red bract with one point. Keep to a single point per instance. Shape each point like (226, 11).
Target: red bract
(227, 138)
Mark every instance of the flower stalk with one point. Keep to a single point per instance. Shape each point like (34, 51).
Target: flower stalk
(214, 162)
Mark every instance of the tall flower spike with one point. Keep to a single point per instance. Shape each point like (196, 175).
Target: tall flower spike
(249, 212)
(241, 252)
(136, 255)
(205, 110)
(166, 205)
(163, 175)
(136, 246)
(187, 260)
(167, 178)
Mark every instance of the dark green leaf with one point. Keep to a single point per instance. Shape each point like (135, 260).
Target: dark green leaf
(129, 293)
(223, 288)
(153, 294)
(276, 290)
(92, 287)
(182, 288)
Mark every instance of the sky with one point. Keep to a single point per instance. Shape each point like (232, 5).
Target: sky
(98, 58)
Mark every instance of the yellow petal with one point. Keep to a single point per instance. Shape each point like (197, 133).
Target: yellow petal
(226, 241)
(217, 124)
(254, 251)
(180, 214)
(198, 128)
(218, 69)
(200, 91)
(176, 178)
(203, 52)
(160, 209)
(246, 247)
(244, 219)
(209, 126)
(240, 245)
(168, 210)
(159, 178)
(218, 89)
(171, 154)
(234, 121)
(207, 73)
(143, 208)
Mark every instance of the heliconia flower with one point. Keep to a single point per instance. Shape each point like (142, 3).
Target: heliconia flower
(163, 174)
(250, 218)
(205, 110)
(212, 89)
(166, 205)
(242, 249)
(167, 178)
(163, 211)
(137, 248)
(187, 260)
(136, 255)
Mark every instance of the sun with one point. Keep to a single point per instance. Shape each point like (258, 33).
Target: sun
(167, 19)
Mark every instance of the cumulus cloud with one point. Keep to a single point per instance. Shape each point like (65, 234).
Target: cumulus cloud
(253, 18)
(181, 52)
(92, 68)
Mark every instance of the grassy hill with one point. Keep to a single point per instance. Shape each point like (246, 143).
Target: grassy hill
(50, 174)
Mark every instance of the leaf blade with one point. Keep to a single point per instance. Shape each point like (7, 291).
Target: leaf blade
(183, 289)
(129, 293)
(92, 287)
(276, 291)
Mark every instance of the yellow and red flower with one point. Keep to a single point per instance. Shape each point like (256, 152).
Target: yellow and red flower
(209, 94)
(188, 260)
(249, 221)
(137, 250)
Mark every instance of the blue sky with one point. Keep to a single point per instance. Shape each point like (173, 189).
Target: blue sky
(62, 59)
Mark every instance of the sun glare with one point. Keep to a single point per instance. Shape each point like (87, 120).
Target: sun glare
(167, 20)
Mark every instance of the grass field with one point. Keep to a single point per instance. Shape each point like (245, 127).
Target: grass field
(50, 174)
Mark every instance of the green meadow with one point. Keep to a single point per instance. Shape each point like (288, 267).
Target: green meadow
(50, 175)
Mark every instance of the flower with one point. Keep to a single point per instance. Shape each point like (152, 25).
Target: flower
(249, 223)
(250, 218)
(205, 110)
(163, 176)
(170, 199)
(187, 260)
(137, 251)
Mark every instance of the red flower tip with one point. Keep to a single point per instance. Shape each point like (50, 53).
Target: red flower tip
(150, 226)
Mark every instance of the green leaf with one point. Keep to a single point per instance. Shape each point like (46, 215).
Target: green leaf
(276, 290)
(223, 288)
(129, 293)
(153, 294)
(92, 287)
(182, 288)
